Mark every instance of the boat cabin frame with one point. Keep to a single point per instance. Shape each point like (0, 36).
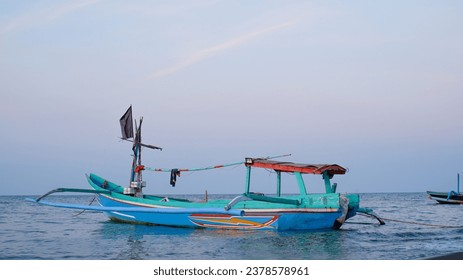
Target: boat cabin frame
(326, 170)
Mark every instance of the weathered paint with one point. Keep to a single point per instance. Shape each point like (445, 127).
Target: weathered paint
(328, 187)
(248, 179)
(300, 183)
(332, 169)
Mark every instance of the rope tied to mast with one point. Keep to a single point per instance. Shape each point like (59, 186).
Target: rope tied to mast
(139, 168)
(175, 172)
(179, 170)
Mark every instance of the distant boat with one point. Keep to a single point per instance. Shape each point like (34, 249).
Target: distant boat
(250, 210)
(450, 197)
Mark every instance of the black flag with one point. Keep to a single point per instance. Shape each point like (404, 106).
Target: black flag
(127, 124)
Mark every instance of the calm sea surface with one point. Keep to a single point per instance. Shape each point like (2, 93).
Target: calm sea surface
(33, 232)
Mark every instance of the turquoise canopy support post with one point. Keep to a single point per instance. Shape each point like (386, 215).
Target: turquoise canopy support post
(248, 178)
(328, 187)
(135, 156)
(300, 183)
(278, 183)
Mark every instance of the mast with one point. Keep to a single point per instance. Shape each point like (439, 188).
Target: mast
(136, 165)
(136, 182)
(458, 183)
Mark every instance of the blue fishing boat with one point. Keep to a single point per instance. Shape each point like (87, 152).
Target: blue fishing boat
(247, 211)
(451, 197)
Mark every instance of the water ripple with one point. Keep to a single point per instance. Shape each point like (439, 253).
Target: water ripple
(36, 232)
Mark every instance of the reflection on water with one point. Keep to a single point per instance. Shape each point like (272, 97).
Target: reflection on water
(157, 242)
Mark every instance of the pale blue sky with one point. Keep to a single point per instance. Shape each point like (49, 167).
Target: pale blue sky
(375, 86)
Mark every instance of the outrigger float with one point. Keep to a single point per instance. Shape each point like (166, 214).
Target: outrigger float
(248, 211)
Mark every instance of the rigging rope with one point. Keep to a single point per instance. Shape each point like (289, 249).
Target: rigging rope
(94, 197)
(416, 223)
(192, 169)
(206, 168)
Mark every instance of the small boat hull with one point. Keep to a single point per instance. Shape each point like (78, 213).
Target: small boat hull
(446, 197)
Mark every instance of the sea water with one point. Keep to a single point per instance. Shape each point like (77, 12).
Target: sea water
(416, 228)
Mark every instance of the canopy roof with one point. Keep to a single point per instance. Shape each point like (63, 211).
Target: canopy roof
(306, 168)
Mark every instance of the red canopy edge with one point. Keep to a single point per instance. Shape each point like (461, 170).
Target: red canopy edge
(305, 168)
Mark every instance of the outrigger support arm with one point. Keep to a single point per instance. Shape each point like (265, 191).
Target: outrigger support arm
(71, 190)
(234, 201)
(124, 209)
(260, 197)
(369, 212)
(271, 199)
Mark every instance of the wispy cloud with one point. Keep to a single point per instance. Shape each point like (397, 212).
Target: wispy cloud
(214, 50)
(35, 18)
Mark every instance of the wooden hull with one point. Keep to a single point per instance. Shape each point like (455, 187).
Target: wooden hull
(316, 211)
(446, 197)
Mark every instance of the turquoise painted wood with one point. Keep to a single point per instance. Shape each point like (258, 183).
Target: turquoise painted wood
(300, 183)
(248, 179)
